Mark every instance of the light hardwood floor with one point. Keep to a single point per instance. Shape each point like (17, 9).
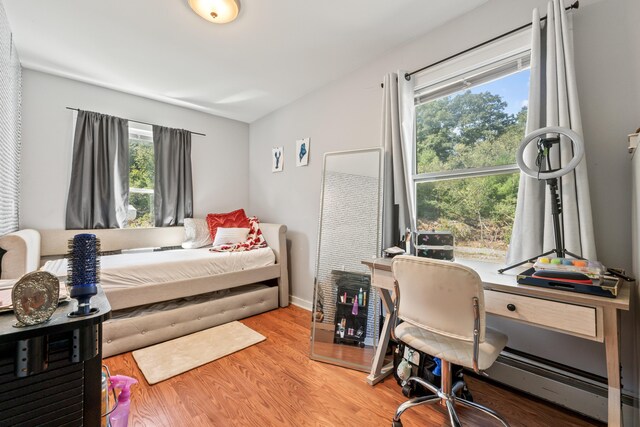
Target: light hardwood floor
(275, 383)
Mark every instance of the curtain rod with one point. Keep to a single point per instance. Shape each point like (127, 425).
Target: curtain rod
(508, 33)
(144, 123)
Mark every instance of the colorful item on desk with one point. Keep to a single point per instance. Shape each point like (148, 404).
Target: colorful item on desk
(593, 269)
(572, 281)
(563, 276)
(435, 244)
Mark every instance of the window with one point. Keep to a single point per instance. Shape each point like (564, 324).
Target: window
(141, 177)
(468, 127)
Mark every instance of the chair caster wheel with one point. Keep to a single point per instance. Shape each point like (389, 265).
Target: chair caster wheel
(397, 424)
(407, 391)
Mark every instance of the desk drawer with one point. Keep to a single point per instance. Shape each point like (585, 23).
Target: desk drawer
(564, 317)
(382, 279)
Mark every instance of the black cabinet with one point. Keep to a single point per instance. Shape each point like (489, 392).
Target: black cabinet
(353, 291)
(50, 374)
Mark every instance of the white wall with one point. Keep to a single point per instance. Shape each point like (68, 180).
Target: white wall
(219, 160)
(347, 114)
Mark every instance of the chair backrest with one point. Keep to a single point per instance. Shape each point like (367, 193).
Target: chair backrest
(438, 296)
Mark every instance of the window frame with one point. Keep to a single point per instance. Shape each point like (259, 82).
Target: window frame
(457, 73)
(490, 63)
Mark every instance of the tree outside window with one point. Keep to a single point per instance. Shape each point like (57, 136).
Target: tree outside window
(141, 179)
(466, 177)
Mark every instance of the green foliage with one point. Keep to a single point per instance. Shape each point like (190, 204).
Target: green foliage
(141, 164)
(468, 130)
(446, 127)
(144, 207)
(142, 221)
(141, 176)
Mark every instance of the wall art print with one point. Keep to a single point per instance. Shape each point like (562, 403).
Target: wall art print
(277, 160)
(302, 152)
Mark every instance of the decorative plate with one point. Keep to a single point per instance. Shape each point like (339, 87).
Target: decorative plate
(35, 297)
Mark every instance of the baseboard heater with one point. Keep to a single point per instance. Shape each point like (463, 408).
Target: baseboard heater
(562, 385)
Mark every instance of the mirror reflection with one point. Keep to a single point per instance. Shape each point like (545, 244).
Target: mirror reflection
(346, 308)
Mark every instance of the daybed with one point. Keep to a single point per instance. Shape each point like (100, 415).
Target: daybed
(176, 300)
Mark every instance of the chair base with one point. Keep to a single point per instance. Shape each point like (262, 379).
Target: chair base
(445, 396)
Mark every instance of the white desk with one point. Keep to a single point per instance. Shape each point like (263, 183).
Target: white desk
(585, 316)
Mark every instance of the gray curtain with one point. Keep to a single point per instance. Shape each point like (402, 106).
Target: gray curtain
(173, 189)
(399, 212)
(99, 187)
(553, 101)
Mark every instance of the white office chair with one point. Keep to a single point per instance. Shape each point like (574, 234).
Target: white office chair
(442, 307)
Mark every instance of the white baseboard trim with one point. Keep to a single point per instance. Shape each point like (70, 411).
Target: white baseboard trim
(302, 303)
(567, 389)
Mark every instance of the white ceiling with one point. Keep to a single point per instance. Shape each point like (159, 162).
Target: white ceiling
(275, 52)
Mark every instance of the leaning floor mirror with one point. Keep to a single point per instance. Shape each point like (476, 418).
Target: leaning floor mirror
(346, 309)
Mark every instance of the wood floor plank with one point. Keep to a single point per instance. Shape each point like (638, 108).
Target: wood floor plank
(275, 383)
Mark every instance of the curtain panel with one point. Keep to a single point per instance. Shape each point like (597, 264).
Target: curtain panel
(173, 189)
(99, 187)
(553, 101)
(398, 135)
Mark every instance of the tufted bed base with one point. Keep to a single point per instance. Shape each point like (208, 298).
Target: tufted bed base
(131, 329)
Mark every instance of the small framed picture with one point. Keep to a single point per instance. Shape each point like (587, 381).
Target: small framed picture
(302, 152)
(277, 159)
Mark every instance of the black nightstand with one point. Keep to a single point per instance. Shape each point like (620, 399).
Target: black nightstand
(50, 374)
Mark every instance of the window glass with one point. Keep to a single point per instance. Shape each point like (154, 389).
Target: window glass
(479, 211)
(466, 177)
(477, 127)
(141, 179)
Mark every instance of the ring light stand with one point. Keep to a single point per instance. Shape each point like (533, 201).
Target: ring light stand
(551, 176)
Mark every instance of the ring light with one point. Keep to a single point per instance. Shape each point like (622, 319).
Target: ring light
(544, 146)
(578, 152)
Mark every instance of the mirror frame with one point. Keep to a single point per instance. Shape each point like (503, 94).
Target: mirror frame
(316, 356)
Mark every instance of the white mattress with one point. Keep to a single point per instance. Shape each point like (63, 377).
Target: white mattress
(145, 268)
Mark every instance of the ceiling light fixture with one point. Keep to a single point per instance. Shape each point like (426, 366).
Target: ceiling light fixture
(216, 11)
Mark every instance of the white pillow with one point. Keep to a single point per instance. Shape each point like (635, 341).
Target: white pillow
(196, 233)
(229, 236)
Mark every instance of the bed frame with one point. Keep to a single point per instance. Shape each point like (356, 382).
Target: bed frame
(200, 308)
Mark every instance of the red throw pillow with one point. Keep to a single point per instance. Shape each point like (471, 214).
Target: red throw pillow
(235, 219)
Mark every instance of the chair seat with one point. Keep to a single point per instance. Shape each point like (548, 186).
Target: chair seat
(453, 350)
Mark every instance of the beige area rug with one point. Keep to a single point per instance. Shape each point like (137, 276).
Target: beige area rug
(170, 358)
